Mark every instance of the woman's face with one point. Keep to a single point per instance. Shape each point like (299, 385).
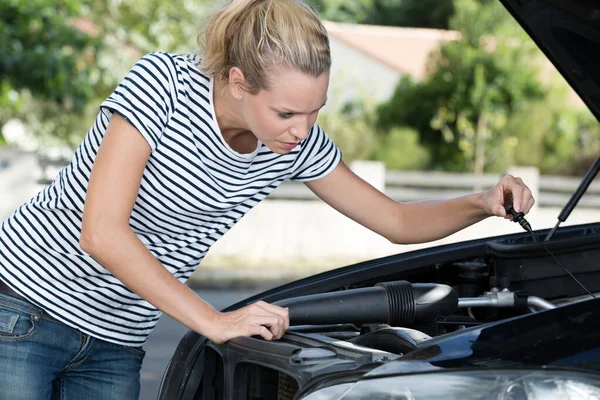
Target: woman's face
(282, 116)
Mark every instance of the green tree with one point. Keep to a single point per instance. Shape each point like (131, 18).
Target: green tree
(351, 125)
(410, 13)
(551, 135)
(474, 85)
(149, 25)
(64, 57)
(400, 149)
(45, 55)
(416, 13)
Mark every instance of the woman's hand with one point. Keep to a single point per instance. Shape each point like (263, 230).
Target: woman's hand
(509, 190)
(257, 319)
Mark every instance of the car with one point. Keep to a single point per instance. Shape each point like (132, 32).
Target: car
(505, 317)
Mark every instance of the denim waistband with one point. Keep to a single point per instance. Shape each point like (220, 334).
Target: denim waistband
(22, 304)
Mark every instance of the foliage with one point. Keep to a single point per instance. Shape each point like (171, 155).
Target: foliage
(351, 126)
(54, 75)
(400, 149)
(43, 54)
(474, 85)
(415, 13)
(10, 104)
(552, 136)
(149, 25)
(52, 126)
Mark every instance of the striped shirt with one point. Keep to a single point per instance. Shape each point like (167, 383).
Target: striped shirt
(193, 189)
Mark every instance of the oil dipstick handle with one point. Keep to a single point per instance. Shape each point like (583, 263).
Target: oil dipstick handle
(519, 218)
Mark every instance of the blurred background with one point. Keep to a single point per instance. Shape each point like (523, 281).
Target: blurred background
(428, 99)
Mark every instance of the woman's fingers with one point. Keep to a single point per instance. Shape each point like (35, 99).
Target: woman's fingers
(258, 330)
(260, 318)
(282, 312)
(273, 322)
(531, 204)
(510, 190)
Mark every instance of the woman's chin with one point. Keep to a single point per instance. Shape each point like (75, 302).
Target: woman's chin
(278, 148)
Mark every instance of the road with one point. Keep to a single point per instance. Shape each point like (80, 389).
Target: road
(163, 341)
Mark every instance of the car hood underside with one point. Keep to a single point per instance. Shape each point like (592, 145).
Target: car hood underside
(568, 32)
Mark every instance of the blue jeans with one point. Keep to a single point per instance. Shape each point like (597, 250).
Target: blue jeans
(44, 359)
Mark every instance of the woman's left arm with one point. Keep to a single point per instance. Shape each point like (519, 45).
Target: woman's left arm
(421, 221)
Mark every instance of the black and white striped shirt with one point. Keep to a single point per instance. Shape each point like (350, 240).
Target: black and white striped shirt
(193, 189)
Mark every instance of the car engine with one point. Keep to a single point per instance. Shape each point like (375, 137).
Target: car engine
(384, 317)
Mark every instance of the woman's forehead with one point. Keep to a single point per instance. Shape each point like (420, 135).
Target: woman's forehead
(297, 89)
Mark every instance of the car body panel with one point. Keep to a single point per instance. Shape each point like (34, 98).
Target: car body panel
(566, 337)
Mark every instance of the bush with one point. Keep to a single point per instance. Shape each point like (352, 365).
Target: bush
(400, 149)
(474, 84)
(353, 127)
(351, 124)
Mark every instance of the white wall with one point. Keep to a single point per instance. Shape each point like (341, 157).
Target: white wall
(353, 73)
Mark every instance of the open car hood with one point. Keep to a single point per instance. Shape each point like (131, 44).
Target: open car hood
(568, 32)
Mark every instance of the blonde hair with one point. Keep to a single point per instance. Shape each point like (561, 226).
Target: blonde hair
(258, 35)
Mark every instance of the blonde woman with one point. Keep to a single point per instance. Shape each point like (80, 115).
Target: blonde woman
(183, 148)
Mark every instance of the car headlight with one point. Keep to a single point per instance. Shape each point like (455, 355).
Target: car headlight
(470, 385)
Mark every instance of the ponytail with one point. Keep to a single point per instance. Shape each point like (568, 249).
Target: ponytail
(258, 35)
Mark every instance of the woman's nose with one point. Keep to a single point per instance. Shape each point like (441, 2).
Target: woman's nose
(300, 130)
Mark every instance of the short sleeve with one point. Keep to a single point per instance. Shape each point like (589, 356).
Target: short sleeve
(147, 96)
(318, 156)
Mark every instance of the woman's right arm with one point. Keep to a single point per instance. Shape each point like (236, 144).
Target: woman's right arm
(106, 236)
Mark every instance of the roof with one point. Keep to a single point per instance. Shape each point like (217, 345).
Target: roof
(405, 50)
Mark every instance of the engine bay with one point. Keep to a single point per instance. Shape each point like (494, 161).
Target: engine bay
(352, 327)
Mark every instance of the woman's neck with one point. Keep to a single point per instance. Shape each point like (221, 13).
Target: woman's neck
(230, 119)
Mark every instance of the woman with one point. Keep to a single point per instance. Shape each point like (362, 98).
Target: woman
(179, 152)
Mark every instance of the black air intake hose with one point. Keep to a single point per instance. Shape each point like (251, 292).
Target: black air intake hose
(397, 303)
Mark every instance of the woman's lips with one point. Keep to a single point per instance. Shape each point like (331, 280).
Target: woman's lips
(289, 145)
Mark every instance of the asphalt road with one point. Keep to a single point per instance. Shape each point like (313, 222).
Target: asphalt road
(163, 341)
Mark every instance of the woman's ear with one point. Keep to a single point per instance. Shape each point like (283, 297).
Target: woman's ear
(237, 83)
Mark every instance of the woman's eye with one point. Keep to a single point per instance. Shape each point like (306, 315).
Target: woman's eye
(286, 115)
